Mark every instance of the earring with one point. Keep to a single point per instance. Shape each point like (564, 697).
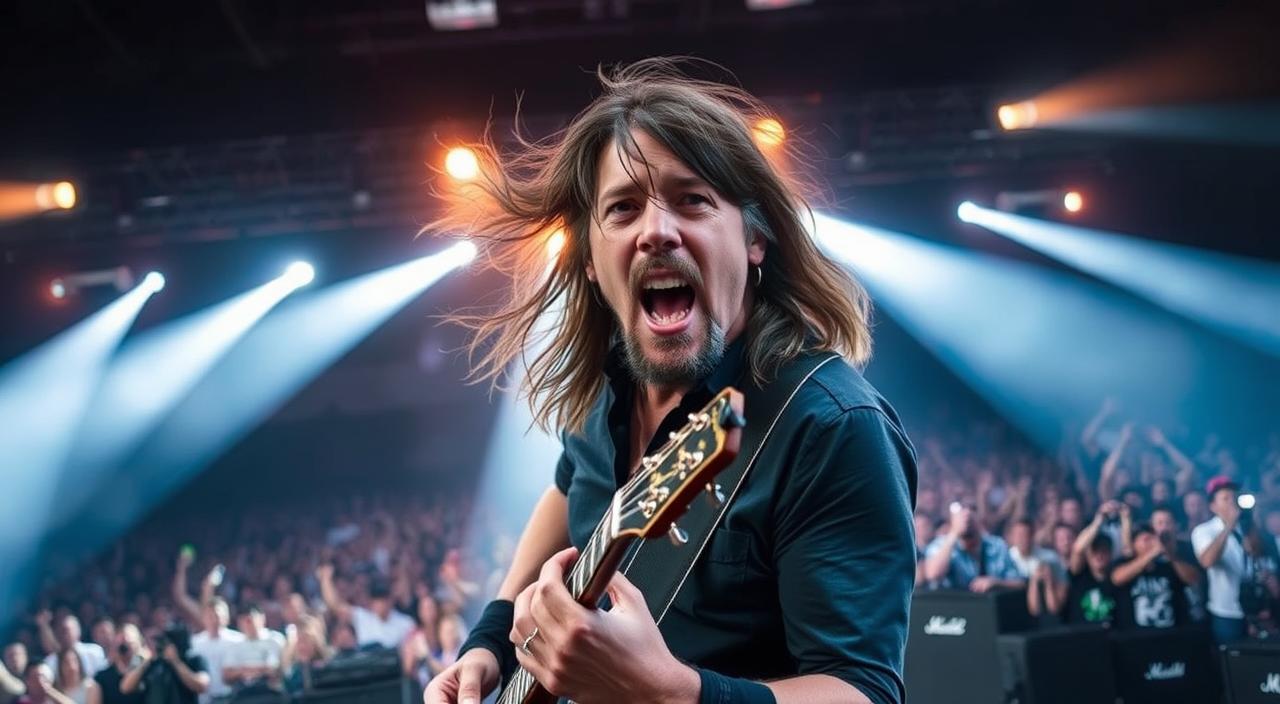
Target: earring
(759, 276)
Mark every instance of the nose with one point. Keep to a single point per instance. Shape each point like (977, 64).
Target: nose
(660, 231)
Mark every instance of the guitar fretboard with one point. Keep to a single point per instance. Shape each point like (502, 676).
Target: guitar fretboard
(521, 682)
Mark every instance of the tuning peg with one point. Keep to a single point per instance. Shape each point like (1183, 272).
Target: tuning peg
(678, 537)
(715, 495)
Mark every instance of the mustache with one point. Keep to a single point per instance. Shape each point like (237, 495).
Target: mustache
(682, 267)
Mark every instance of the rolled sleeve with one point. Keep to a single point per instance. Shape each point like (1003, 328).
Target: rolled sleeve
(845, 551)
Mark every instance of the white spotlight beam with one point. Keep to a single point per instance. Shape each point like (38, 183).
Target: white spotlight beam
(149, 376)
(1237, 296)
(1040, 345)
(520, 459)
(43, 395)
(270, 364)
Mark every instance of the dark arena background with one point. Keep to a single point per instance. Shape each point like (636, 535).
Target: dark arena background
(224, 369)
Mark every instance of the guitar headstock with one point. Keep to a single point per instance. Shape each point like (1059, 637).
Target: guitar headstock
(671, 478)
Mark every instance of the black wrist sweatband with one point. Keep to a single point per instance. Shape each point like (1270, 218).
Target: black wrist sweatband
(718, 689)
(492, 632)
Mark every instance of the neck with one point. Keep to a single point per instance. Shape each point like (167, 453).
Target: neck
(655, 402)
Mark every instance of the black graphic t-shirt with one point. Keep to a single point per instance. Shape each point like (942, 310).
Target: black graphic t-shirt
(1154, 599)
(1090, 600)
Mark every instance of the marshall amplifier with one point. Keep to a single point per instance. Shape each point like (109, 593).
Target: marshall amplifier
(1253, 672)
(1169, 666)
(1063, 665)
(951, 646)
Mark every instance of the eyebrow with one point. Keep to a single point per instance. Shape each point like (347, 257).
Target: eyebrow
(630, 187)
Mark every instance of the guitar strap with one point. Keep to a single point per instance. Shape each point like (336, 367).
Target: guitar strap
(658, 567)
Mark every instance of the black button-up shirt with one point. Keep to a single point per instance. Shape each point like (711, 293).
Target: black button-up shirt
(812, 567)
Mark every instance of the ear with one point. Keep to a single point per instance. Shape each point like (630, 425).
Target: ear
(591, 271)
(755, 249)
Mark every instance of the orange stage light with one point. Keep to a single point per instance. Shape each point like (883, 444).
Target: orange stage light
(1073, 201)
(769, 132)
(555, 244)
(461, 163)
(1018, 116)
(19, 199)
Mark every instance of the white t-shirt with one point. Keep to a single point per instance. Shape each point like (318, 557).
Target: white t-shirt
(215, 652)
(92, 659)
(1225, 574)
(265, 651)
(371, 629)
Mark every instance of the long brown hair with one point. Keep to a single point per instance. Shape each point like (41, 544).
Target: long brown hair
(806, 302)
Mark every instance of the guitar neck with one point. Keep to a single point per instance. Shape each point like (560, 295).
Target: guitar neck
(586, 581)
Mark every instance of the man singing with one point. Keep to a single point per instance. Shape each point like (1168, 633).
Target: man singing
(686, 268)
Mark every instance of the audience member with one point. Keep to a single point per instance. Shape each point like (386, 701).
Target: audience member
(170, 673)
(129, 652)
(379, 624)
(12, 667)
(257, 659)
(967, 557)
(309, 651)
(1091, 596)
(72, 681)
(214, 645)
(1152, 585)
(67, 637)
(38, 679)
(1219, 546)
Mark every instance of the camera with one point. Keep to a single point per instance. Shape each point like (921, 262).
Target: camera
(1246, 503)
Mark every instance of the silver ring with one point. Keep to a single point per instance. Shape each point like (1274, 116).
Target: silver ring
(525, 645)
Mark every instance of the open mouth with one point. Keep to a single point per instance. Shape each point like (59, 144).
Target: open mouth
(667, 300)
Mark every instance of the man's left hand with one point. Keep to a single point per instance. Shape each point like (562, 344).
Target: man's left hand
(171, 653)
(591, 655)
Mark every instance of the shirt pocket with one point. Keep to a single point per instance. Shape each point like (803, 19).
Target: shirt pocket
(727, 555)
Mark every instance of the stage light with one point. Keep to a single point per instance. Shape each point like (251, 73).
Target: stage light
(967, 211)
(1018, 116)
(43, 396)
(299, 274)
(462, 253)
(461, 15)
(57, 289)
(153, 282)
(56, 195)
(555, 244)
(1073, 202)
(1246, 501)
(1037, 342)
(769, 132)
(1232, 294)
(461, 164)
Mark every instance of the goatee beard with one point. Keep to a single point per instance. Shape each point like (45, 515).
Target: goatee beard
(682, 373)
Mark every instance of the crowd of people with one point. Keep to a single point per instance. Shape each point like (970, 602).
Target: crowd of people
(1122, 527)
(204, 607)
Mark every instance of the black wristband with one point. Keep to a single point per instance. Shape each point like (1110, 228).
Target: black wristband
(718, 689)
(492, 632)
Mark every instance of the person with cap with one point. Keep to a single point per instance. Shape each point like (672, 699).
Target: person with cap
(1219, 546)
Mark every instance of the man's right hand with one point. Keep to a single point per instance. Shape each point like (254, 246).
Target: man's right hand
(466, 681)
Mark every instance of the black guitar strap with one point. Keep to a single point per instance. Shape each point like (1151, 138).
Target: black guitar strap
(658, 567)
